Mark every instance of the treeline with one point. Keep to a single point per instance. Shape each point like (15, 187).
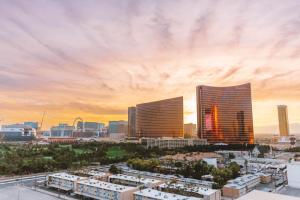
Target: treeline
(26, 159)
(293, 149)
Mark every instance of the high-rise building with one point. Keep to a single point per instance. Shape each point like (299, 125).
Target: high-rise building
(160, 118)
(283, 120)
(34, 125)
(131, 121)
(224, 114)
(90, 126)
(190, 130)
(62, 130)
(117, 127)
(17, 132)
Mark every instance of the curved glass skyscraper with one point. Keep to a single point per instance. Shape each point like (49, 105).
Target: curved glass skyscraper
(224, 114)
(160, 118)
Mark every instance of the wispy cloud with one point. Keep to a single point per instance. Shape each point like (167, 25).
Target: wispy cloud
(95, 58)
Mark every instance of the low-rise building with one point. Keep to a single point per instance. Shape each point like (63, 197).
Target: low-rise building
(172, 143)
(240, 186)
(102, 176)
(235, 154)
(189, 190)
(193, 157)
(103, 190)
(134, 181)
(150, 194)
(265, 178)
(169, 177)
(63, 181)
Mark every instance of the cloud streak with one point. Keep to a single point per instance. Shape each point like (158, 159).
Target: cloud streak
(96, 58)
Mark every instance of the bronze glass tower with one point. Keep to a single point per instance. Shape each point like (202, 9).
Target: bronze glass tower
(160, 118)
(224, 114)
(131, 121)
(283, 121)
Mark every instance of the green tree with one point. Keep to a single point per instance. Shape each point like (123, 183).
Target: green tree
(235, 169)
(114, 170)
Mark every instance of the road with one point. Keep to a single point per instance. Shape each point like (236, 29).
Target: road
(29, 181)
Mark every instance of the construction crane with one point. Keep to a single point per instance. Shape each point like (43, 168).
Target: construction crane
(40, 128)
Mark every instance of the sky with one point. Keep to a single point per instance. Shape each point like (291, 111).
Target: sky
(94, 58)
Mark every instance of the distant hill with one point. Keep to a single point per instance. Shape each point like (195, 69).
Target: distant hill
(274, 129)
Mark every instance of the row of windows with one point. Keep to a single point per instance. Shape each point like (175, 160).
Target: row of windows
(225, 114)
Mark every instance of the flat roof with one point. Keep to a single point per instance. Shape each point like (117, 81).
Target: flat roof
(196, 189)
(170, 177)
(105, 185)
(134, 179)
(19, 192)
(66, 176)
(242, 181)
(97, 173)
(155, 194)
(260, 195)
(287, 190)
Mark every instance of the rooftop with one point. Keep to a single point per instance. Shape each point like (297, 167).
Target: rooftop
(172, 177)
(196, 189)
(97, 173)
(18, 192)
(241, 182)
(155, 194)
(66, 176)
(260, 195)
(287, 190)
(105, 185)
(134, 179)
(193, 156)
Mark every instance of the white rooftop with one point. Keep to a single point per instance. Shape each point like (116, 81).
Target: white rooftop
(66, 176)
(260, 195)
(134, 179)
(172, 177)
(155, 194)
(105, 185)
(199, 190)
(96, 173)
(242, 181)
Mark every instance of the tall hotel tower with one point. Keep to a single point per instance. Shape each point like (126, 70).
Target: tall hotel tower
(160, 118)
(131, 121)
(283, 120)
(224, 114)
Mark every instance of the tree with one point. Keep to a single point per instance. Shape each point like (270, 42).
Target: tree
(201, 168)
(221, 176)
(235, 169)
(231, 156)
(178, 164)
(114, 170)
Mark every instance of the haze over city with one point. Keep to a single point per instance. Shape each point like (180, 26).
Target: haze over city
(93, 59)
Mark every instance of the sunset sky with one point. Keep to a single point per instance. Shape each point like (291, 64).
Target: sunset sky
(93, 59)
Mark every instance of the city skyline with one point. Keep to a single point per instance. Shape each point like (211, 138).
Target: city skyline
(95, 59)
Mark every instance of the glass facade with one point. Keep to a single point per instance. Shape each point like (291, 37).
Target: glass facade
(224, 114)
(117, 127)
(34, 125)
(160, 118)
(131, 121)
(283, 120)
